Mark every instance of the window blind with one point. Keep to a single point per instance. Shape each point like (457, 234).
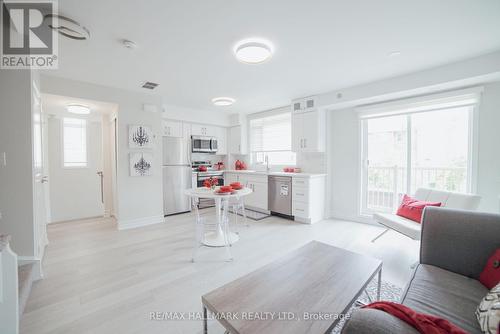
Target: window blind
(271, 133)
(75, 142)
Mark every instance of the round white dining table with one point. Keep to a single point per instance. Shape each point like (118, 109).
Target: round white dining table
(216, 238)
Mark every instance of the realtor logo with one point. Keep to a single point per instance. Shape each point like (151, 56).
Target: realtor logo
(27, 41)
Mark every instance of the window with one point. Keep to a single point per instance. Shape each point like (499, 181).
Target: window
(405, 151)
(74, 142)
(271, 137)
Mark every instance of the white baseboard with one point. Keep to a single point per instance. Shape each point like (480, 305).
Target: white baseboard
(37, 268)
(303, 220)
(126, 224)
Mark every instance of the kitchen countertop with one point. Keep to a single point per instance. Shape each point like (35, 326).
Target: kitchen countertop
(254, 172)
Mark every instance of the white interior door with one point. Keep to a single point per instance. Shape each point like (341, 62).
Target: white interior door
(75, 151)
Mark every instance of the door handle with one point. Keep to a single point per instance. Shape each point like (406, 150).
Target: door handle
(44, 179)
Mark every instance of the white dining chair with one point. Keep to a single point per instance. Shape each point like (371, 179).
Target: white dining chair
(238, 206)
(204, 226)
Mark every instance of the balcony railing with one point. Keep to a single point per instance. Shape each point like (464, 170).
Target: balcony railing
(386, 185)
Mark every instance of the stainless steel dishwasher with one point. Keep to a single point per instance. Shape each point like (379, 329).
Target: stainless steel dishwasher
(280, 195)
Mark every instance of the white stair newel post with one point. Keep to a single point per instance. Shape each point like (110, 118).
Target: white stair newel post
(9, 302)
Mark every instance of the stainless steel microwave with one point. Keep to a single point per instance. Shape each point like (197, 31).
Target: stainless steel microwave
(204, 144)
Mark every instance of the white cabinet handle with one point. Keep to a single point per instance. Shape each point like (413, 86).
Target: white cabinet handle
(305, 143)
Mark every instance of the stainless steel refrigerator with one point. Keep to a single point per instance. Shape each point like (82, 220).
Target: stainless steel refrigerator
(177, 174)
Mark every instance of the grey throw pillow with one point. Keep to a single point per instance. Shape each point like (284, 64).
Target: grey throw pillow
(488, 311)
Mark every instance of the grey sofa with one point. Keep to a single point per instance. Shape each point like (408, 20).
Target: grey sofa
(455, 246)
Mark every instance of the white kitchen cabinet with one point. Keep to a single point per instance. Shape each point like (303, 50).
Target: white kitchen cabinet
(172, 128)
(231, 178)
(237, 140)
(258, 199)
(203, 130)
(221, 140)
(309, 131)
(308, 199)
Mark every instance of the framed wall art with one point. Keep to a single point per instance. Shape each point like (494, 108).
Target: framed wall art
(140, 136)
(140, 164)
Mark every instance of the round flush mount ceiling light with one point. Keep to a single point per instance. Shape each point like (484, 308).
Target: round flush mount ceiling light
(223, 101)
(253, 50)
(67, 27)
(78, 109)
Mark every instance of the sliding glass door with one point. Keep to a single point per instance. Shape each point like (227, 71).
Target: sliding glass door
(405, 152)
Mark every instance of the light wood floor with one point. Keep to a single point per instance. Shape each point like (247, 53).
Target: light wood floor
(100, 280)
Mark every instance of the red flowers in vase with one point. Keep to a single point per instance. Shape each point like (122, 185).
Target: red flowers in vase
(211, 182)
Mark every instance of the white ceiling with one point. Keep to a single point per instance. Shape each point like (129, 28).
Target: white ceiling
(186, 46)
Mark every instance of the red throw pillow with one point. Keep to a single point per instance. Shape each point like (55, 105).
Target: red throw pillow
(423, 323)
(490, 276)
(412, 208)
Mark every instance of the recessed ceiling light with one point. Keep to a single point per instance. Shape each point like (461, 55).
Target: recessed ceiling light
(253, 50)
(78, 109)
(223, 101)
(395, 54)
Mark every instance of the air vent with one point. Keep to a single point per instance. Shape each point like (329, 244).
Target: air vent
(149, 85)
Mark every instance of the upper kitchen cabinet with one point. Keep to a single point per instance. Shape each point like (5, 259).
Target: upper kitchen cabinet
(172, 128)
(309, 131)
(203, 130)
(237, 140)
(221, 140)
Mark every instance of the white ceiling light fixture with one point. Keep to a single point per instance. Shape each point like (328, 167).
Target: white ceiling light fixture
(223, 101)
(67, 27)
(129, 44)
(78, 109)
(253, 50)
(394, 54)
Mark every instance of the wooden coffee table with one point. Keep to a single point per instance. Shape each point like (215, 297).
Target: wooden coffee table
(303, 292)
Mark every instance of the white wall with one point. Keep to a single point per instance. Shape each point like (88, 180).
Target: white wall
(345, 166)
(107, 163)
(75, 193)
(488, 183)
(16, 179)
(139, 198)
